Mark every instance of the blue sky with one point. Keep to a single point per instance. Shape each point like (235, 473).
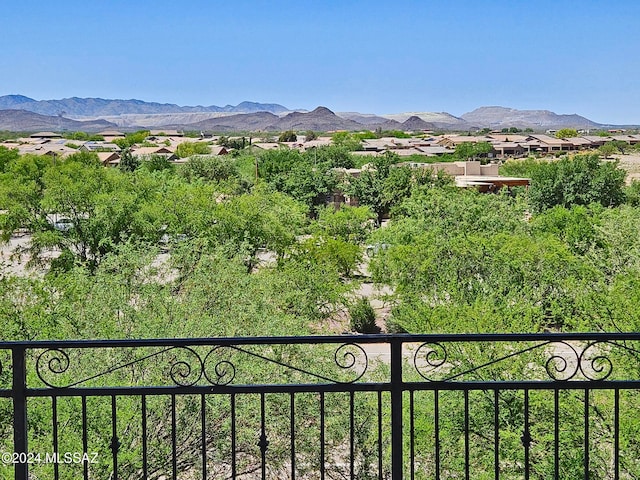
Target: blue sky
(368, 56)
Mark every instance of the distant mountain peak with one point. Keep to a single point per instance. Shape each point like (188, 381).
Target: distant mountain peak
(322, 110)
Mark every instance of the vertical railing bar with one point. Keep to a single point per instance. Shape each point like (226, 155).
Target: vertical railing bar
(322, 470)
(174, 441)
(397, 384)
(352, 432)
(54, 418)
(379, 435)
(436, 429)
(586, 434)
(85, 440)
(145, 465)
(18, 390)
(263, 438)
(203, 426)
(233, 436)
(412, 451)
(292, 427)
(616, 434)
(496, 433)
(467, 460)
(526, 437)
(115, 444)
(556, 434)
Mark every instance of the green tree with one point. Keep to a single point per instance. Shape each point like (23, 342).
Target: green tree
(101, 209)
(187, 149)
(351, 224)
(368, 187)
(566, 133)
(307, 178)
(260, 220)
(580, 180)
(620, 145)
(131, 139)
(7, 156)
(210, 168)
(288, 136)
(331, 156)
(21, 189)
(128, 162)
(363, 316)
(156, 163)
(473, 150)
(383, 186)
(347, 140)
(607, 150)
(332, 253)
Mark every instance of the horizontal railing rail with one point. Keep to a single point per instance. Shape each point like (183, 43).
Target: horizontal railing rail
(348, 406)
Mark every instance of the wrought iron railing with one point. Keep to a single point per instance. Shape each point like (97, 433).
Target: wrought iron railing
(370, 406)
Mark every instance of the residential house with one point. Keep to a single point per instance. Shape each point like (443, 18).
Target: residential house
(167, 152)
(452, 141)
(109, 159)
(580, 143)
(547, 144)
(56, 150)
(166, 133)
(473, 174)
(630, 139)
(266, 145)
(48, 135)
(111, 135)
(596, 140)
(92, 146)
(504, 149)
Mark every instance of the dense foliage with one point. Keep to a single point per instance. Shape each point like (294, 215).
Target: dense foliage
(246, 246)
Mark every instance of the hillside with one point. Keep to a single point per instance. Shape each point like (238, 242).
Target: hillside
(439, 120)
(321, 119)
(260, 121)
(24, 121)
(501, 117)
(362, 118)
(415, 123)
(92, 107)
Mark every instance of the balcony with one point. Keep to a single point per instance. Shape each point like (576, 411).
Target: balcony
(323, 407)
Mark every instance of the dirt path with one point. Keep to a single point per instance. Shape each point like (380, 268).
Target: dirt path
(11, 261)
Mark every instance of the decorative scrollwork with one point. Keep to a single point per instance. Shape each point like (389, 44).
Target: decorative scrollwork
(182, 372)
(350, 356)
(54, 361)
(429, 357)
(224, 371)
(598, 367)
(564, 362)
(569, 360)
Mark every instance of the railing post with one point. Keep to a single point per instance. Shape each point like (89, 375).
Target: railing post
(397, 461)
(19, 386)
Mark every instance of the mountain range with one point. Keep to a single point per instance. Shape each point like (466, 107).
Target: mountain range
(20, 113)
(99, 107)
(24, 121)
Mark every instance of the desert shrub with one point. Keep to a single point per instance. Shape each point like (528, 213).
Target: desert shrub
(363, 317)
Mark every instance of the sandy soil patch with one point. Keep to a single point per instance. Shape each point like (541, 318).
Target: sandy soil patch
(630, 163)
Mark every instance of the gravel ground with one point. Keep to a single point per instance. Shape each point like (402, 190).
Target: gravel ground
(630, 163)
(11, 261)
